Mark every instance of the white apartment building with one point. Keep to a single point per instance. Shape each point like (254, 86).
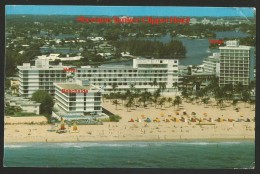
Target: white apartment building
(236, 63)
(141, 74)
(77, 98)
(211, 64)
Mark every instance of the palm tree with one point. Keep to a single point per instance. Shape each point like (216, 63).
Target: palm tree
(145, 96)
(129, 103)
(234, 103)
(114, 86)
(175, 85)
(162, 101)
(156, 95)
(132, 87)
(228, 91)
(219, 94)
(154, 83)
(162, 86)
(177, 101)
(245, 96)
(115, 102)
(205, 100)
(238, 88)
(169, 100)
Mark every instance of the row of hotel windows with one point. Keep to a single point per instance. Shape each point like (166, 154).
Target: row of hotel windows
(225, 81)
(234, 75)
(235, 70)
(233, 51)
(125, 84)
(234, 55)
(80, 71)
(42, 71)
(232, 61)
(94, 71)
(71, 99)
(96, 108)
(79, 104)
(233, 58)
(128, 80)
(121, 75)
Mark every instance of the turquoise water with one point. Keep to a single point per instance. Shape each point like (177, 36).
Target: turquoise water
(181, 155)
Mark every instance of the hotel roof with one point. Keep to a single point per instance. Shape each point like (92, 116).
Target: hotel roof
(74, 86)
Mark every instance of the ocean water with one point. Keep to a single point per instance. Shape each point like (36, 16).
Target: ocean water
(178, 155)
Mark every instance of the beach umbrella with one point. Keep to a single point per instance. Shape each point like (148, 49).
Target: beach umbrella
(193, 113)
(148, 120)
(62, 125)
(143, 116)
(75, 128)
(162, 114)
(131, 120)
(205, 114)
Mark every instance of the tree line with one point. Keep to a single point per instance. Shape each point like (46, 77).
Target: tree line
(173, 49)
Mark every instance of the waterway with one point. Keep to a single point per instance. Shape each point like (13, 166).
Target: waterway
(197, 49)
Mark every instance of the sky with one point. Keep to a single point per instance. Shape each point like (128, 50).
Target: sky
(129, 11)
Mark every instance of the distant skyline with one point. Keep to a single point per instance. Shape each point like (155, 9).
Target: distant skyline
(129, 10)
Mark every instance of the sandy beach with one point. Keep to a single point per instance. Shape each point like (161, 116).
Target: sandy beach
(35, 129)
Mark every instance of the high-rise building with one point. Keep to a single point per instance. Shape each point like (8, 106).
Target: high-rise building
(236, 64)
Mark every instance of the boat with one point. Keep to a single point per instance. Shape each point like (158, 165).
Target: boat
(75, 128)
(62, 127)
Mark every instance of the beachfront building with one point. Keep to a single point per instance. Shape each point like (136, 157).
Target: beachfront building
(39, 77)
(144, 74)
(236, 64)
(211, 64)
(77, 99)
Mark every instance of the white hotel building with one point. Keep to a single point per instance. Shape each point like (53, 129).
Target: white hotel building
(77, 98)
(141, 74)
(211, 64)
(236, 64)
(39, 77)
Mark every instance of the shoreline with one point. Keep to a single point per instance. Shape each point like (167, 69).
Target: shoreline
(195, 140)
